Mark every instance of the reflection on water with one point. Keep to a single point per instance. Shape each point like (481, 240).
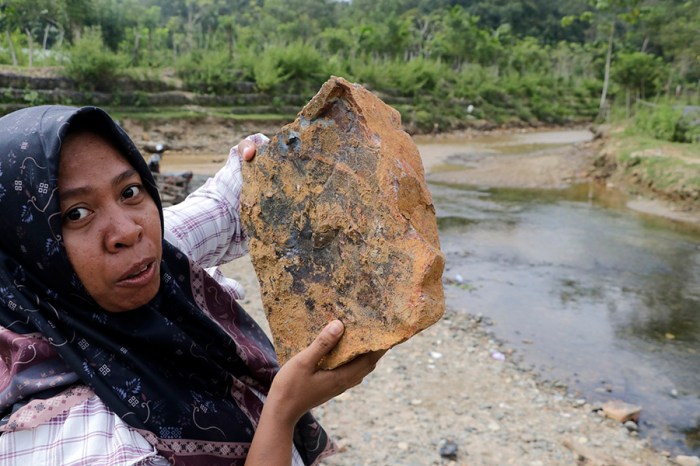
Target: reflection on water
(596, 296)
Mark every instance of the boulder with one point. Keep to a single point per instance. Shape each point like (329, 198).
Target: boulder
(341, 225)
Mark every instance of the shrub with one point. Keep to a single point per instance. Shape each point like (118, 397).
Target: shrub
(208, 71)
(370, 72)
(659, 121)
(268, 72)
(92, 65)
(303, 65)
(688, 126)
(297, 68)
(418, 76)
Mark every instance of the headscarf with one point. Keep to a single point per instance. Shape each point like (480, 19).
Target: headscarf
(187, 368)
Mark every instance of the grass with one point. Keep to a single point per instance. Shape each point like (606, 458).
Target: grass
(670, 167)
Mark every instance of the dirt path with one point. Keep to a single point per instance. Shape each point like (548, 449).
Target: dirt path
(453, 394)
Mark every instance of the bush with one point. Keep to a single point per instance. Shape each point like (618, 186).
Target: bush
(468, 79)
(297, 68)
(208, 71)
(92, 65)
(659, 121)
(688, 127)
(369, 72)
(268, 72)
(416, 77)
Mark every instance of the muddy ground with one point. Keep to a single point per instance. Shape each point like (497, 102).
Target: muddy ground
(452, 394)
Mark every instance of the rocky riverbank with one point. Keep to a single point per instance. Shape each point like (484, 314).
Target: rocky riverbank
(453, 394)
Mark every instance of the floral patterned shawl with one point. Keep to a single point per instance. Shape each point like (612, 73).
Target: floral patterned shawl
(183, 369)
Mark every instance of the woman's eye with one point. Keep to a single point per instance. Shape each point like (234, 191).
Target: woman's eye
(131, 191)
(76, 214)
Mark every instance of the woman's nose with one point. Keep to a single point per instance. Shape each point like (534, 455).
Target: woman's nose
(122, 231)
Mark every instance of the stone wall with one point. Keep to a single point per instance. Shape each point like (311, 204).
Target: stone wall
(18, 90)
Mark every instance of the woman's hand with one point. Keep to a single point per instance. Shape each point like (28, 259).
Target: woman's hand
(300, 386)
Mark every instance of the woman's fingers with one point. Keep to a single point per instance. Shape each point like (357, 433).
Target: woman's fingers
(353, 372)
(247, 150)
(324, 342)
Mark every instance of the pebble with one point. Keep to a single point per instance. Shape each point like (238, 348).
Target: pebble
(683, 460)
(459, 401)
(631, 426)
(449, 450)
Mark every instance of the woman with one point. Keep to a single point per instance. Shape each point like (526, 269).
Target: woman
(118, 347)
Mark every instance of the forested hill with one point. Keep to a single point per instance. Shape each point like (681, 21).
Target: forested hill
(442, 63)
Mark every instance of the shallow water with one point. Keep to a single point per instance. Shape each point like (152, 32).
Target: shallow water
(589, 293)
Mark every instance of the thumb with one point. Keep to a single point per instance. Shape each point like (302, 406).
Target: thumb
(324, 342)
(247, 150)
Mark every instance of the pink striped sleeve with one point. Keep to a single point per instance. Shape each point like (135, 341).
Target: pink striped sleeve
(206, 226)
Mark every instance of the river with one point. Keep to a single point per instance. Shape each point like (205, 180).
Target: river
(587, 292)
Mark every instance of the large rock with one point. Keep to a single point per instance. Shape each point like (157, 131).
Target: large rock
(342, 225)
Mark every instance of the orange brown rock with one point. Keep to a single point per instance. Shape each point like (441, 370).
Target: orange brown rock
(342, 225)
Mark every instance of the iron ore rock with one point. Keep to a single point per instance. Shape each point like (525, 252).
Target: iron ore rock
(342, 225)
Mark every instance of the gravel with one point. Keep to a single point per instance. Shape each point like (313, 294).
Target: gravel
(443, 398)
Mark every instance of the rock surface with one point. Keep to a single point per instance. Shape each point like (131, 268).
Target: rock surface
(621, 411)
(342, 225)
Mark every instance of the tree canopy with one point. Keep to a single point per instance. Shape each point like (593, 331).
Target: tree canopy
(485, 51)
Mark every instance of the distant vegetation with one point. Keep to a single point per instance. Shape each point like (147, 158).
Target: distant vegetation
(443, 63)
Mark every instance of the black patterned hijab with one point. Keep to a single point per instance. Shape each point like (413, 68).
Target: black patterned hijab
(187, 368)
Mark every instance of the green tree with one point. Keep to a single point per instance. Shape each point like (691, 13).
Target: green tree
(638, 73)
(30, 17)
(606, 15)
(459, 39)
(114, 20)
(676, 40)
(534, 18)
(75, 14)
(7, 23)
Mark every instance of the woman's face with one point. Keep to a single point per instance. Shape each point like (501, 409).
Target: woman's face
(111, 226)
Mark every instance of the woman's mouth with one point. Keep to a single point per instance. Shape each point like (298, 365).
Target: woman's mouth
(139, 275)
(145, 267)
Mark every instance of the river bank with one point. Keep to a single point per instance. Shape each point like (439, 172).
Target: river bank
(611, 165)
(453, 394)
